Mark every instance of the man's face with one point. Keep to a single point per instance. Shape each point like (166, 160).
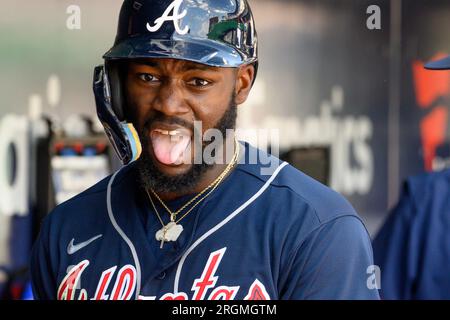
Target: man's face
(164, 98)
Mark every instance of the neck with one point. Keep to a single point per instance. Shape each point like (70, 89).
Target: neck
(209, 175)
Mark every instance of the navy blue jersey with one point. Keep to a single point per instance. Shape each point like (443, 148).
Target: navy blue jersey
(413, 246)
(256, 237)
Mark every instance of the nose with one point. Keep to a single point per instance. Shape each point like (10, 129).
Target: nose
(170, 99)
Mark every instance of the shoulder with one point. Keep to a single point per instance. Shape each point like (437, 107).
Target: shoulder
(326, 203)
(422, 190)
(428, 182)
(288, 184)
(424, 194)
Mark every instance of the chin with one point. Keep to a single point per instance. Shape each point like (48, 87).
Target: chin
(165, 178)
(172, 170)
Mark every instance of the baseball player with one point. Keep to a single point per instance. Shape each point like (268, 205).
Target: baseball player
(168, 226)
(412, 245)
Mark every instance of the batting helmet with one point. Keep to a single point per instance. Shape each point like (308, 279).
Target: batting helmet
(212, 32)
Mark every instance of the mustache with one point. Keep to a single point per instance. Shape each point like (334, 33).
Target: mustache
(162, 118)
(168, 120)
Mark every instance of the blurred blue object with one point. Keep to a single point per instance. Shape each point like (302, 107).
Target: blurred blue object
(27, 293)
(412, 248)
(90, 151)
(68, 152)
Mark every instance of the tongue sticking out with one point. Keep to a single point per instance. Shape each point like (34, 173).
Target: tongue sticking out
(169, 149)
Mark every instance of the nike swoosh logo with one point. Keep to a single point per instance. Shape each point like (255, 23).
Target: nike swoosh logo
(72, 248)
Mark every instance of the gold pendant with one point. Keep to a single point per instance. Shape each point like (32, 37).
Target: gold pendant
(169, 232)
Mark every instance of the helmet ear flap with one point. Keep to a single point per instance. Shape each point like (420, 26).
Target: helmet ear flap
(121, 133)
(114, 72)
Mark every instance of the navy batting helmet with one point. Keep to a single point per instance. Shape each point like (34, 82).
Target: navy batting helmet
(212, 32)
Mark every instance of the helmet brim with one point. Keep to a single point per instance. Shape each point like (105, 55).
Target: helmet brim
(442, 64)
(205, 52)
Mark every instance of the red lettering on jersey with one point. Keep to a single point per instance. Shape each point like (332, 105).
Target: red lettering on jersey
(83, 295)
(223, 293)
(103, 284)
(257, 291)
(173, 296)
(207, 279)
(66, 290)
(125, 283)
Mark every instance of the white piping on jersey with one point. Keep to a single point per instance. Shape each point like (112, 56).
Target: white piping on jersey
(222, 223)
(123, 235)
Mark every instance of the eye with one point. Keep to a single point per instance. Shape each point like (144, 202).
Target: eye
(198, 82)
(147, 77)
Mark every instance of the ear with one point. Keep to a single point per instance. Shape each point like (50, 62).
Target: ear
(244, 80)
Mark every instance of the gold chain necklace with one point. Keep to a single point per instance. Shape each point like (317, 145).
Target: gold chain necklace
(163, 233)
(213, 185)
(172, 230)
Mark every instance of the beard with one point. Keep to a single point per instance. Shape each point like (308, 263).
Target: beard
(152, 178)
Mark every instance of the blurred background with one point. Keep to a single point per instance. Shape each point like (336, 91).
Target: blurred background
(353, 105)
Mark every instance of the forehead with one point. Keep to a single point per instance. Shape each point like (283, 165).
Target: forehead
(173, 65)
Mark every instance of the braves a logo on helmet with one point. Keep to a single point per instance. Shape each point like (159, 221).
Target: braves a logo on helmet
(204, 287)
(175, 7)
